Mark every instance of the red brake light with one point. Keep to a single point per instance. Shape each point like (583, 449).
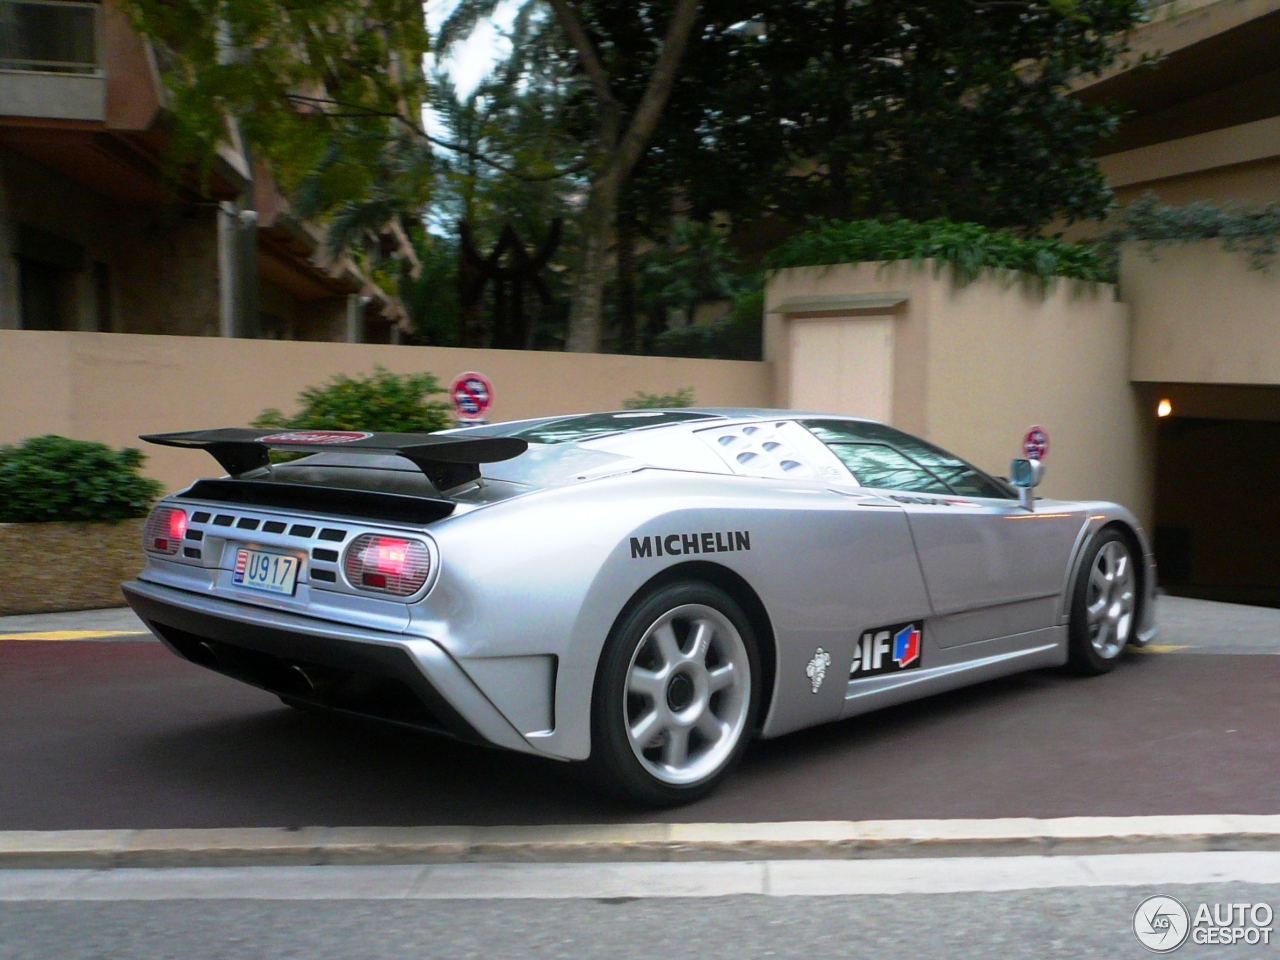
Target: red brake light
(164, 530)
(387, 564)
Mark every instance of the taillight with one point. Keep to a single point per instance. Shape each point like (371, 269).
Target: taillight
(387, 564)
(164, 530)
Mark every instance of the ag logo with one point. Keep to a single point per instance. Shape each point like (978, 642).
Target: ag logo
(321, 437)
(1161, 924)
(816, 669)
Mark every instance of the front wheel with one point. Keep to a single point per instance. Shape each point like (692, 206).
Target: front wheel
(1104, 605)
(676, 695)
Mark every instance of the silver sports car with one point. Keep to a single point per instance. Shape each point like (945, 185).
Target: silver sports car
(644, 591)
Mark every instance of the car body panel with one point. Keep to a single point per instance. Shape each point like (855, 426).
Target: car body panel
(535, 566)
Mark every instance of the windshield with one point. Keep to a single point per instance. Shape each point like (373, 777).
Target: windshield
(882, 457)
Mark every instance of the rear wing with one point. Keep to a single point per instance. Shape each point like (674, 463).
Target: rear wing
(447, 460)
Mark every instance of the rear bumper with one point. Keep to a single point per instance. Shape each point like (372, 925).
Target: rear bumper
(405, 680)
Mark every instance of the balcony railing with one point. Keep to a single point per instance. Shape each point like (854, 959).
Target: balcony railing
(49, 36)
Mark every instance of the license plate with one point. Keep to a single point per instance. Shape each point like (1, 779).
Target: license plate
(271, 572)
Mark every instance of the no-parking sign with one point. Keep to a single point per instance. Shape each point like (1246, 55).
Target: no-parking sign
(472, 395)
(1035, 445)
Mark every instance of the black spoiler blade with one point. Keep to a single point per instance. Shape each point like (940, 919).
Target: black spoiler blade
(447, 460)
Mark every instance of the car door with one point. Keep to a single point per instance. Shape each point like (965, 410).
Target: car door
(991, 568)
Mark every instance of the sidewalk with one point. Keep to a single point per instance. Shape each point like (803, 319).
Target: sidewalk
(636, 842)
(117, 623)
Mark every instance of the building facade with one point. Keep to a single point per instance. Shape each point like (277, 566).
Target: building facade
(97, 232)
(1203, 124)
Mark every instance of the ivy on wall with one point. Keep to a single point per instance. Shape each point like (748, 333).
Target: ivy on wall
(968, 248)
(1253, 230)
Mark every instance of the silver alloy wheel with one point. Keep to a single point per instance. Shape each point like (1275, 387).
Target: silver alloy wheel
(687, 694)
(1110, 599)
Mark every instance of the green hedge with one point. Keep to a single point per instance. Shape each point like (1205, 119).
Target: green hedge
(45, 479)
(967, 247)
(383, 402)
(1254, 230)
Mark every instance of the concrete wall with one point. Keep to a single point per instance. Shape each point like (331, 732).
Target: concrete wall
(970, 368)
(111, 388)
(1201, 315)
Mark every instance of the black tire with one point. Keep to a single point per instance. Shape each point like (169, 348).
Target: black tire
(615, 763)
(1084, 655)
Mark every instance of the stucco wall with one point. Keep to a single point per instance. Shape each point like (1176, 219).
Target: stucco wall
(974, 366)
(1201, 315)
(112, 387)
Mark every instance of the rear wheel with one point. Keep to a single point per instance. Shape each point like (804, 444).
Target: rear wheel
(1104, 605)
(676, 695)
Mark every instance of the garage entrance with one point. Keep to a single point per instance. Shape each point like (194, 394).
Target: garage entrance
(1217, 513)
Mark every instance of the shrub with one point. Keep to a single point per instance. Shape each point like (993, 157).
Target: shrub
(45, 479)
(384, 402)
(660, 401)
(967, 247)
(1255, 230)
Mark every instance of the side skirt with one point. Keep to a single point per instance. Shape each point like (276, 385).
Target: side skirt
(982, 661)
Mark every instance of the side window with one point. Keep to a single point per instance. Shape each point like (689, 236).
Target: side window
(947, 471)
(875, 465)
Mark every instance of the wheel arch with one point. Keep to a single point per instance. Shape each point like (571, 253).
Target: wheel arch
(1134, 542)
(736, 586)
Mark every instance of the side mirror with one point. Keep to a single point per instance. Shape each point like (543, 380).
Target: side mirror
(1026, 476)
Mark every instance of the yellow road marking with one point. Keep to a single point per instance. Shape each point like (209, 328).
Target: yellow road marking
(1162, 648)
(69, 634)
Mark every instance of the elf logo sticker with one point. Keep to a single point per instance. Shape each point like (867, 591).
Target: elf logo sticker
(887, 650)
(906, 646)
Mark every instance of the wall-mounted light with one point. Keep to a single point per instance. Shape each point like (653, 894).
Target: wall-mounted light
(1164, 408)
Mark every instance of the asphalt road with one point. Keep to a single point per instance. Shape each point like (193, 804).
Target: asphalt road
(125, 735)
(1057, 921)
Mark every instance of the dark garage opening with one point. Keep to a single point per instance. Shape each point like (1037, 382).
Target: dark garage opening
(1217, 516)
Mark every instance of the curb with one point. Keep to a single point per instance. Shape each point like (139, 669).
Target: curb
(653, 842)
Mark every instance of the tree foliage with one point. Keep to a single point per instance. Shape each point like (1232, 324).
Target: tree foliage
(327, 91)
(899, 108)
(51, 478)
(694, 266)
(625, 60)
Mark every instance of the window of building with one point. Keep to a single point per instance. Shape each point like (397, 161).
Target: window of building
(48, 37)
(102, 297)
(41, 287)
(47, 268)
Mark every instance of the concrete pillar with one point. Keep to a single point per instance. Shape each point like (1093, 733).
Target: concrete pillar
(228, 263)
(237, 271)
(355, 317)
(10, 295)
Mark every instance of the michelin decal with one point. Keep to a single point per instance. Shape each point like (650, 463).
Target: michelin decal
(683, 544)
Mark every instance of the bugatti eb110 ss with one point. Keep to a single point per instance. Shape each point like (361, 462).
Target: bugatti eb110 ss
(643, 591)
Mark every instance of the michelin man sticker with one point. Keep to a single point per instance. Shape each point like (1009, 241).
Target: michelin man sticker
(816, 669)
